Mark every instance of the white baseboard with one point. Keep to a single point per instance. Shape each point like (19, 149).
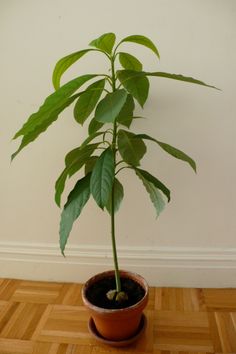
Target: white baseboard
(163, 266)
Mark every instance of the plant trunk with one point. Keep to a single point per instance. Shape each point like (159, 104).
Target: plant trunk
(116, 266)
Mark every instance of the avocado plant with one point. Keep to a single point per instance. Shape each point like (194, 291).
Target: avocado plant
(109, 101)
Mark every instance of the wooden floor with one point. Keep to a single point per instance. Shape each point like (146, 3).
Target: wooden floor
(49, 318)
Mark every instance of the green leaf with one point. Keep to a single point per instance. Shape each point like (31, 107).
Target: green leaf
(54, 104)
(77, 199)
(158, 184)
(90, 163)
(118, 196)
(143, 41)
(104, 42)
(64, 63)
(125, 116)
(154, 194)
(94, 126)
(88, 101)
(102, 178)
(129, 62)
(74, 161)
(180, 78)
(135, 83)
(110, 106)
(178, 154)
(130, 147)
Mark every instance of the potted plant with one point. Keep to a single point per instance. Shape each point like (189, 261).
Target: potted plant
(110, 147)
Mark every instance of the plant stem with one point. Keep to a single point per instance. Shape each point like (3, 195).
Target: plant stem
(117, 273)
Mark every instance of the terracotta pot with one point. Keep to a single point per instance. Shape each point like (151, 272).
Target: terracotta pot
(116, 324)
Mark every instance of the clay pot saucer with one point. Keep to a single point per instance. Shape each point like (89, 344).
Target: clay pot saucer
(93, 330)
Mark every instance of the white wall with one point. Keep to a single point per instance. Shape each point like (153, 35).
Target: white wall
(195, 38)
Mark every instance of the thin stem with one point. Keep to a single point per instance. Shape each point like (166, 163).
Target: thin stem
(116, 266)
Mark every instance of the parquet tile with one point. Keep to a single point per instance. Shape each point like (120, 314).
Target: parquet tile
(49, 318)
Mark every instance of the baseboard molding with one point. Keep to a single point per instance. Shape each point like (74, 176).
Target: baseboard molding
(163, 266)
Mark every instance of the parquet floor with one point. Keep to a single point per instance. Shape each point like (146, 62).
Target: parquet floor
(49, 318)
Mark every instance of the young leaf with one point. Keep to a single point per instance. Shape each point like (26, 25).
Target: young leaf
(135, 83)
(171, 150)
(102, 178)
(126, 114)
(88, 100)
(118, 196)
(158, 184)
(94, 126)
(74, 161)
(54, 104)
(110, 106)
(154, 194)
(77, 199)
(64, 63)
(143, 41)
(131, 147)
(104, 42)
(129, 62)
(180, 78)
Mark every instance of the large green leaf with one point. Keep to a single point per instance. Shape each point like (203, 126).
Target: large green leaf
(135, 83)
(131, 147)
(110, 106)
(180, 78)
(54, 104)
(125, 116)
(143, 41)
(129, 62)
(104, 42)
(153, 192)
(156, 182)
(73, 207)
(74, 161)
(102, 178)
(88, 101)
(64, 63)
(171, 150)
(118, 196)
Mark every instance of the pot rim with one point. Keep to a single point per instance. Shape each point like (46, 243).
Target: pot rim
(125, 273)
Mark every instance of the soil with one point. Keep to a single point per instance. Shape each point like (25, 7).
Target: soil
(96, 293)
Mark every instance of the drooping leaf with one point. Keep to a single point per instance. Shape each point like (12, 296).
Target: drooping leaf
(154, 194)
(136, 83)
(104, 42)
(110, 106)
(118, 196)
(131, 147)
(143, 41)
(129, 62)
(90, 163)
(126, 114)
(171, 150)
(102, 178)
(54, 104)
(64, 63)
(88, 100)
(156, 182)
(94, 126)
(74, 161)
(180, 78)
(77, 199)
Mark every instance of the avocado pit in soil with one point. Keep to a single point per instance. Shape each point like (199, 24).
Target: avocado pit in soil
(97, 293)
